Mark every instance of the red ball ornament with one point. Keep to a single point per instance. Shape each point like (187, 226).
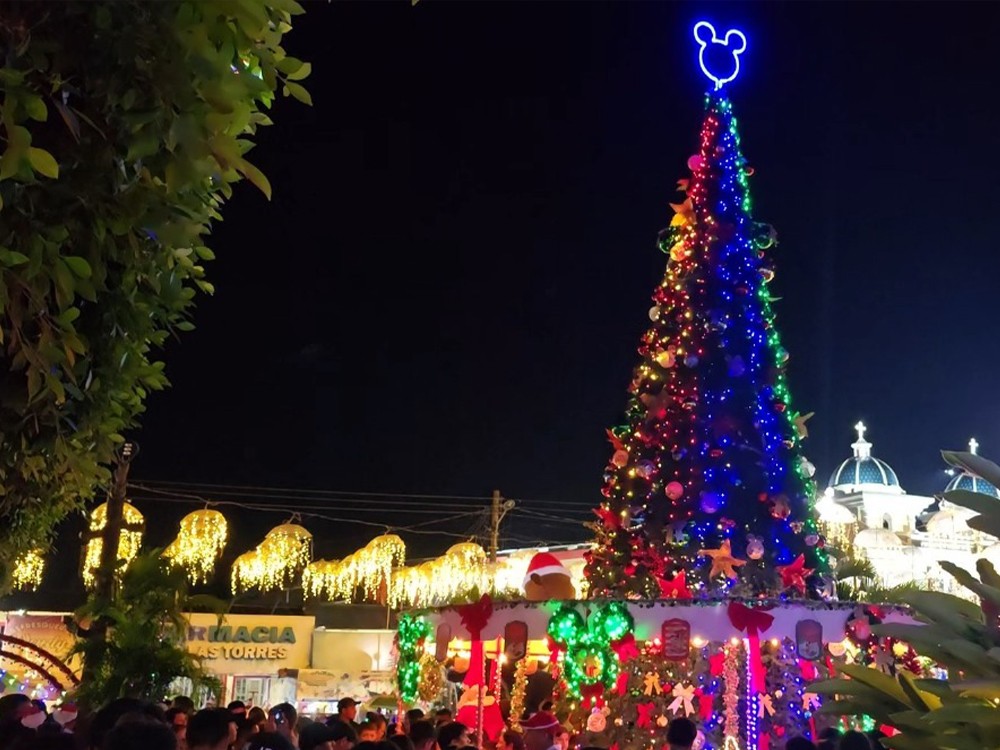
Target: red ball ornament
(675, 490)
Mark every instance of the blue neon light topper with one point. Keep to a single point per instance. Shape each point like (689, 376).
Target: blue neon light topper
(719, 58)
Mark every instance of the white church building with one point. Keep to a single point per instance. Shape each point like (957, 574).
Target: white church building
(903, 535)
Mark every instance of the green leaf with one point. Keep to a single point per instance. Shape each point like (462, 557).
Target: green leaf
(298, 91)
(36, 108)
(12, 258)
(289, 65)
(78, 266)
(256, 177)
(301, 73)
(43, 162)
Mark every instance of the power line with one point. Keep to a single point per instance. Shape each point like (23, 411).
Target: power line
(207, 485)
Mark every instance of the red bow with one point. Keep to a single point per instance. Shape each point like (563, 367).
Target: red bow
(626, 648)
(645, 711)
(475, 616)
(621, 685)
(716, 664)
(749, 620)
(705, 701)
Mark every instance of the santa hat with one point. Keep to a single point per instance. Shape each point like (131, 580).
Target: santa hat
(544, 564)
(541, 721)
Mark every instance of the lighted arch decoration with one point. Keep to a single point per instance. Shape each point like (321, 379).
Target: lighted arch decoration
(40, 655)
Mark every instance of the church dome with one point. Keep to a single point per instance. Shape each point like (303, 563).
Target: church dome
(863, 469)
(876, 539)
(970, 482)
(947, 523)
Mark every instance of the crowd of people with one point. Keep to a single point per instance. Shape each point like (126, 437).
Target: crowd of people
(131, 724)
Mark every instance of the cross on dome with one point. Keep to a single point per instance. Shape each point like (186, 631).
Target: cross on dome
(973, 446)
(862, 448)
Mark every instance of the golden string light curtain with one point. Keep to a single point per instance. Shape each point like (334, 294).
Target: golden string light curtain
(129, 540)
(28, 571)
(199, 544)
(367, 571)
(276, 562)
(462, 569)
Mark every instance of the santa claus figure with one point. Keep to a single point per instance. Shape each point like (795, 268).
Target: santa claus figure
(547, 579)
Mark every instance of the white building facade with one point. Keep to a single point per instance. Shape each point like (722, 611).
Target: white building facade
(904, 535)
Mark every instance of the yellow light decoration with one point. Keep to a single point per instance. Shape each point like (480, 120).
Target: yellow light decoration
(199, 543)
(367, 570)
(319, 579)
(276, 562)
(464, 568)
(28, 570)
(129, 540)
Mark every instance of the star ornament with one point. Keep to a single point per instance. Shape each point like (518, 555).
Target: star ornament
(723, 562)
(675, 588)
(794, 576)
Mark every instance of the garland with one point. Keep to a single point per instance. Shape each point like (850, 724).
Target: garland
(410, 637)
(517, 693)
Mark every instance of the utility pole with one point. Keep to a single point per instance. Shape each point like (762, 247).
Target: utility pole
(498, 509)
(106, 574)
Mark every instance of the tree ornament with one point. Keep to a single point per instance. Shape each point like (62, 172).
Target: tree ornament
(675, 635)
(597, 722)
(662, 721)
(723, 562)
(695, 162)
(590, 658)
(683, 700)
(806, 466)
(651, 684)
(675, 490)
(645, 469)
(710, 502)
(755, 547)
(809, 639)
(666, 358)
(654, 313)
(620, 458)
(794, 576)
(691, 360)
(780, 507)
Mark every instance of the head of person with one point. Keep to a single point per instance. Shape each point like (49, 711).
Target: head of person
(423, 735)
(334, 735)
(184, 703)
(177, 718)
(211, 729)
(122, 710)
(138, 732)
(547, 706)
(561, 738)
(854, 741)
(282, 719)
(239, 708)
(402, 742)
(799, 743)
(270, 741)
(368, 732)
(245, 729)
(347, 709)
(511, 740)
(378, 721)
(453, 735)
(256, 716)
(13, 706)
(442, 716)
(539, 730)
(414, 714)
(681, 733)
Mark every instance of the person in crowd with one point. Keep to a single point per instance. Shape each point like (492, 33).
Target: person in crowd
(245, 729)
(548, 707)
(442, 716)
(378, 720)
(511, 740)
(414, 714)
(828, 738)
(423, 735)
(282, 719)
(368, 732)
(681, 733)
(561, 739)
(184, 703)
(237, 708)
(270, 741)
(454, 735)
(854, 741)
(13, 707)
(211, 729)
(140, 732)
(340, 735)
(347, 712)
(177, 718)
(539, 730)
(117, 711)
(402, 742)
(800, 743)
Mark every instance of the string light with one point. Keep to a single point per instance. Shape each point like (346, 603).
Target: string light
(199, 543)
(411, 633)
(462, 570)
(276, 562)
(28, 571)
(367, 571)
(129, 541)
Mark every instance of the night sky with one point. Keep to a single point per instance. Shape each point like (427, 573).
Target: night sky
(446, 293)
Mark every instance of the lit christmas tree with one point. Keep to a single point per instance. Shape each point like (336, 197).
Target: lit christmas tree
(707, 491)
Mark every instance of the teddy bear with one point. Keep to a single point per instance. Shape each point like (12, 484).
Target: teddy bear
(547, 579)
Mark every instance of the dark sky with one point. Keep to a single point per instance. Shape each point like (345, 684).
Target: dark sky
(446, 292)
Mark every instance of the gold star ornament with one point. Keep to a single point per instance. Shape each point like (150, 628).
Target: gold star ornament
(723, 562)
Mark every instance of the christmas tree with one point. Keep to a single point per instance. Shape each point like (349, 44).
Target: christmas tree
(707, 492)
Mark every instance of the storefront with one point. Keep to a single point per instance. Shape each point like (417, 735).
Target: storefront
(357, 664)
(34, 655)
(255, 657)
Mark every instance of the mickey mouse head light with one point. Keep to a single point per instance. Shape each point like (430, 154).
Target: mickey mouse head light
(590, 659)
(719, 58)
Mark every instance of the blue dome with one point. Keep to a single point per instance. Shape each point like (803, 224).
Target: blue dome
(972, 483)
(863, 468)
(868, 470)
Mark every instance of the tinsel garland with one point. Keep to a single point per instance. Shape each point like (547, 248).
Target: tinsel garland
(517, 694)
(731, 698)
(431, 679)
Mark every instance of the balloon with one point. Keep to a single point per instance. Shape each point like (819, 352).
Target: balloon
(675, 490)
(695, 163)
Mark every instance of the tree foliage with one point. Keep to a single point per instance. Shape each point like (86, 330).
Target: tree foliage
(145, 649)
(962, 712)
(123, 126)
